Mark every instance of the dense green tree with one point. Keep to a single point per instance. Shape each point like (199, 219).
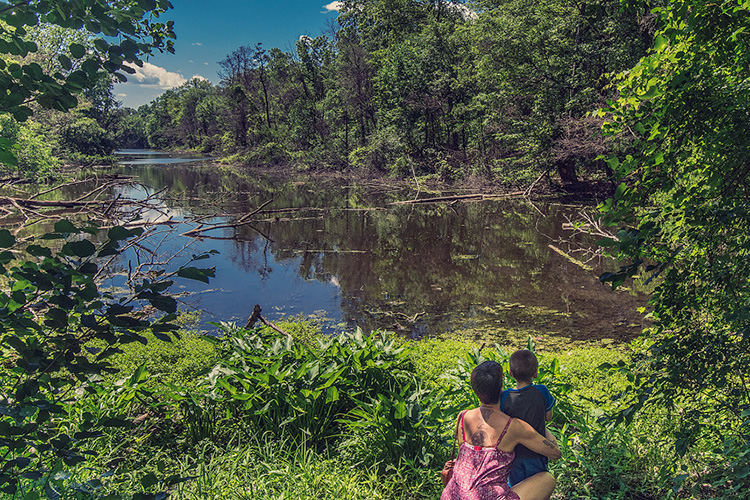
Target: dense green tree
(412, 86)
(130, 129)
(543, 66)
(354, 90)
(684, 212)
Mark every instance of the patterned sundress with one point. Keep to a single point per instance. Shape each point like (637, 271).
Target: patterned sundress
(481, 473)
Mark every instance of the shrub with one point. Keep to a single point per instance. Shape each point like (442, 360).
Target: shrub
(87, 137)
(382, 153)
(33, 151)
(285, 387)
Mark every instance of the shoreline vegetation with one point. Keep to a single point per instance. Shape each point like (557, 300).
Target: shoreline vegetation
(264, 432)
(99, 400)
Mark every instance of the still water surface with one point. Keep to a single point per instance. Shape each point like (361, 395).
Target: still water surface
(343, 254)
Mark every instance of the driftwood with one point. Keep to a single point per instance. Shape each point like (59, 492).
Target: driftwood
(242, 221)
(25, 211)
(257, 317)
(439, 199)
(571, 259)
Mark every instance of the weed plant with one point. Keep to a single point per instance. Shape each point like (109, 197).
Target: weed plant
(260, 415)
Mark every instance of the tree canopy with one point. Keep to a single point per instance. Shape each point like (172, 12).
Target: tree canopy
(121, 33)
(446, 88)
(684, 216)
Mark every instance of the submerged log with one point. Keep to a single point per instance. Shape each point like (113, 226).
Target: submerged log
(30, 203)
(571, 259)
(439, 199)
(257, 317)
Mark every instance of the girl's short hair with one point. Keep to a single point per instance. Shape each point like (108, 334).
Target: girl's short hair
(487, 382)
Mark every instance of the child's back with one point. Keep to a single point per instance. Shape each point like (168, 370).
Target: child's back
(531, 403)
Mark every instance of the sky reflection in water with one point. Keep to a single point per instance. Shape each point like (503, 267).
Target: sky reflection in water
(418, 270)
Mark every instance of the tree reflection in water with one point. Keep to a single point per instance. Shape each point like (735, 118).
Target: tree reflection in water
(416, 269)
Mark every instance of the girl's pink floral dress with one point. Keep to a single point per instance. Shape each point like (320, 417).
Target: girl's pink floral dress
(480, 473)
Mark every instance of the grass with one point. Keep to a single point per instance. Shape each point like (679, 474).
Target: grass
(279, 470)
(599, 462)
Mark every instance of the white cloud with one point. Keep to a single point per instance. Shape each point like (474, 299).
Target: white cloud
(122, 95)
(466, 13)
(333, 7)
(198, 44)
(305, 39)
(151, 75)
(198, 77)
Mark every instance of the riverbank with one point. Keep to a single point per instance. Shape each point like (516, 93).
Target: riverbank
(545, 186)
(216, 443)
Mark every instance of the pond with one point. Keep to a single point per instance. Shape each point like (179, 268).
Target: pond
(345, 255)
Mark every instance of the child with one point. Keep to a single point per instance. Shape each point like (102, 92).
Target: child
(531, 403)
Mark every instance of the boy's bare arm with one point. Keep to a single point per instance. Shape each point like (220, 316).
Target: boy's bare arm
(548, 415)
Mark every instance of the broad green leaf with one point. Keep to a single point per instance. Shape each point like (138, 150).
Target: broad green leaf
(77, 50)
(65, 226)
(660, 43)
(82, 248)
(197, 274)
(7, 240)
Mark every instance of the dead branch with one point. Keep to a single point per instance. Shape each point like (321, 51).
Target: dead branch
(479, 196)
(242, 221)
(320, 250)
(533, 184)
(571, 258)
(31, 203)
(96, 191)
(255, 316)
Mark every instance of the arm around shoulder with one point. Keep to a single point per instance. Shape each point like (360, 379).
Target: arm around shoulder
(527, 436)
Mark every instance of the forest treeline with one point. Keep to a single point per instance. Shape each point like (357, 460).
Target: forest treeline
(504, 88)
(499, 89)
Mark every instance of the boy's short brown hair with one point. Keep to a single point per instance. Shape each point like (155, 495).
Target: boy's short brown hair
(523, 365)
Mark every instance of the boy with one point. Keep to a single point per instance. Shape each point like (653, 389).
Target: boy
(531, 403)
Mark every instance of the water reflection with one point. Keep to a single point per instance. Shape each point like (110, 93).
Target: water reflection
(340, 252)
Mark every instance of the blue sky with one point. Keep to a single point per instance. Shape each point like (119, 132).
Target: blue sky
(209, 31)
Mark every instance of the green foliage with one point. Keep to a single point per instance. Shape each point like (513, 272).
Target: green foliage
(50, 311)
(202, 443)
(131, 22)
(284, 387)
(32, 150)
(116, 35)
(166, 361)
(500, 89)
(271, 468)
(684, 220)
(87, 137)
(433, 357)
(130, 130)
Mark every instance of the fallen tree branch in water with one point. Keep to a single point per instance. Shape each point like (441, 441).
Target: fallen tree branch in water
(242, 221)
(571, 259)
(31, 203)
(439, 199)
(256, 317)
